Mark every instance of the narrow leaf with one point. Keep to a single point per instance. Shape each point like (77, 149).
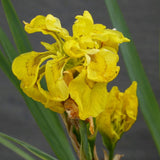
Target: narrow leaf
(148, 103)
(47, 120)
(33, 150)
(51, 127)
(16, 28)
(85, 152)
(159, 55)
(5, 66)
(7, 46)
(14, 148)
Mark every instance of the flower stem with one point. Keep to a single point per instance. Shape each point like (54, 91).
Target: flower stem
(111, 153)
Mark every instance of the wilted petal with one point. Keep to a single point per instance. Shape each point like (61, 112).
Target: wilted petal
(130, 105)
(54, 106)
(103, 66)
(54, 24)
(34, 91)
(86, 42)
(37, 24)
(37, 93)
(83, 24)
(46, 25)
(51, 47)
(120, 113)
(110, 39)
(90, 100)
(57, 87)
(26, 66)
(72, 49)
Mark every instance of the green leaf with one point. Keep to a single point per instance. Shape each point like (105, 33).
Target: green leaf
(159, 55)
(47, 120)
(5, 66)
(85, 151)
(14, 148)
(16, 28)
(33, 150)
(147, 100)
(52, 129)
(7, 46)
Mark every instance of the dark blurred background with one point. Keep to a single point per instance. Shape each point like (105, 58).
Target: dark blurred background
(144, 24)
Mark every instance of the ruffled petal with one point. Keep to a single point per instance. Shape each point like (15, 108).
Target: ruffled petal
(72, 49)
(83, 24)
(104, 124)
(90, 101)
(57, 88)
(130, 105)
(34, 90)
(120, 112)
(110, 39)
(54, 106)
(86, 42)
(51, 47)
(54, 24)
(46, 25)
(26, 66)
(36, 93)
(103, 66)
(37, 24)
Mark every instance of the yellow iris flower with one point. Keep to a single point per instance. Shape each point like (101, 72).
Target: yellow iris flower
(75, 67)
(120, 113)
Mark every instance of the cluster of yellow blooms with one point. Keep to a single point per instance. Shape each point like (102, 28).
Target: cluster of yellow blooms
(76, 70)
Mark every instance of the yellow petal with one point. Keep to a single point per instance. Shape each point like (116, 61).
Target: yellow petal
(57, 87)
(37, 24)
(98, 28)
(46, 25)
(52, 23)
(54, 106)
(90, 101)
(120, 112)
(50, 47)
(104, 125)
(34, 91)
(110, 39)
(26, 66)
(86, 42)
(131, 105)
(72, 49)
(103, 66)
(83, 24)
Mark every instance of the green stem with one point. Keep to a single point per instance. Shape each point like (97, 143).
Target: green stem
(111, 154)
(85, 151)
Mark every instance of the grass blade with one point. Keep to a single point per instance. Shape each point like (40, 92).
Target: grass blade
(159, 55)
(14, 148)
(33, 150)
(5, 66)
(148, 103)
(85, 152)
(7, 46)
(47, 120)
(19, 35)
